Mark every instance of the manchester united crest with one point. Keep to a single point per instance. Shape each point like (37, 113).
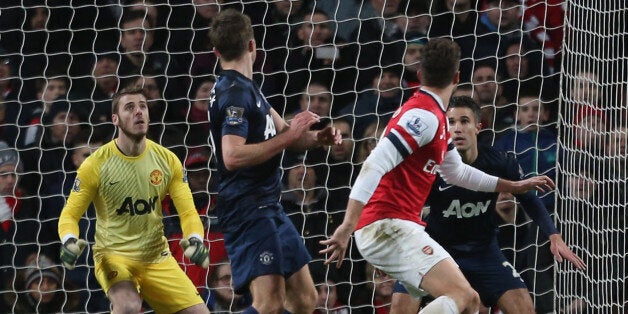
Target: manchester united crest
(156, 177)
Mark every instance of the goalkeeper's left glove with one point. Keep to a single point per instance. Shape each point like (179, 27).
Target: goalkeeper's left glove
(195, 250)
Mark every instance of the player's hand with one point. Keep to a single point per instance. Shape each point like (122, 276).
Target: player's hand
(559, 248)
(539, 183)
(329, 136)
(301, 123)
(337, 245)
(71, 250)
(195, 250)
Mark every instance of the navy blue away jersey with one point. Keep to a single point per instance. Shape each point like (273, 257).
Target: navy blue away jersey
(238, 108)
(463, 220)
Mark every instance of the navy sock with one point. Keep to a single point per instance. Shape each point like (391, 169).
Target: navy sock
(250, 310)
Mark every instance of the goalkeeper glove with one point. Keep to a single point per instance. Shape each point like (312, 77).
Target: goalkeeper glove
(71, 250)
(195, 251)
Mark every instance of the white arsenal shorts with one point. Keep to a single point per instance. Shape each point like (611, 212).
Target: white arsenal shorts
(402, 249)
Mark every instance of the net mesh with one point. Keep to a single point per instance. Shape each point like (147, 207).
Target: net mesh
(352, 62)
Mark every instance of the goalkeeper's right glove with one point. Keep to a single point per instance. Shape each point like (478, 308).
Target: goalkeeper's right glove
(195, 250)
(71, 250)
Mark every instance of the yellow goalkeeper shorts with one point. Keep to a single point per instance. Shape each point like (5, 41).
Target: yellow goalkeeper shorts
(163, 285)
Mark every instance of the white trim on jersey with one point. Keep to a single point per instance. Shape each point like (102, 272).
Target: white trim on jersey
(454, 171)
(421, 124)
(382, 159)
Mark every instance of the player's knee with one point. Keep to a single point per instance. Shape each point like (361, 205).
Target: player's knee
(128, 307)
(471, 300)
(269, 307)
(305, 302)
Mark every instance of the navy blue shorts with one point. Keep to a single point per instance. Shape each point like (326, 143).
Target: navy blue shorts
(488, 272)
(264, 246)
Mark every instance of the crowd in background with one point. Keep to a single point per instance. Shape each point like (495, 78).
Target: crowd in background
(352, 62)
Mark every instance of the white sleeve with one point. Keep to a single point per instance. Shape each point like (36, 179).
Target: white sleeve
(415, 128)
(456, 172)
(382, 159)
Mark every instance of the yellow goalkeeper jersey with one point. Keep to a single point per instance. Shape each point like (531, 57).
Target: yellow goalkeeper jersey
(127, 193)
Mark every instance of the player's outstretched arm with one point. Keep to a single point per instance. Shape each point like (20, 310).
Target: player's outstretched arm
(559, 248)
(539, 183)
(336, 245)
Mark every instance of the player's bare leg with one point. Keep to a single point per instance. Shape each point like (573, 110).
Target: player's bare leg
(269, 294)
(446, 279)
(124, 298)
(516, 301)
(403, 303)
(300, 292)
(195, 309)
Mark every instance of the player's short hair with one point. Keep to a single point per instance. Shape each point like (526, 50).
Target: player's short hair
(230, 34)
(439, 62)
(131, 90)
(467, 102)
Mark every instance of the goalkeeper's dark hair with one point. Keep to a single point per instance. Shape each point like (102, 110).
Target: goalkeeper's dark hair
(467, 102)
(439, 62)
(131, 90)
(230, 34)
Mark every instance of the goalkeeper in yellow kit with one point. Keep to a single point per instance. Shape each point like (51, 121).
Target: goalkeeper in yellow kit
(127, 179)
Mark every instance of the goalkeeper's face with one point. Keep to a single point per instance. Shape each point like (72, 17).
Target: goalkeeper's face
(132, 116)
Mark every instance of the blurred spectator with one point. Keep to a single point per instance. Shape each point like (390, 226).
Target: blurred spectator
(328, 300)
(222, 298)
(617, 153)
(197, 117)
(278, 24)
(14, 115)
(44, 156)
(138, 56)
(40, 288)
(341, 171)
(345, 15)
(502, 17)
(584, 91)
(459, 20)
(588, 131)
(380, 287)
(95, 91)
(312, 54)
(416, 21)
(378, 102)
(368, 140)
(488, 92)
(20, 228)
(53, 86)
(316, 98)
(411, 62)
(544, 20)
(305, 203)
(534, 146)
(522, 68)
(380, 37)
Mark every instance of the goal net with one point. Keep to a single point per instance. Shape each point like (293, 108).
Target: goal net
(353, 62)
(591, 202)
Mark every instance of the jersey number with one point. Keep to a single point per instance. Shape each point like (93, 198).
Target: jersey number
(515, 274)
(270, 130)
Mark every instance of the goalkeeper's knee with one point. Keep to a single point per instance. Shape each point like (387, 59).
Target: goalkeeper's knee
(71, 250)
(195, 250)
